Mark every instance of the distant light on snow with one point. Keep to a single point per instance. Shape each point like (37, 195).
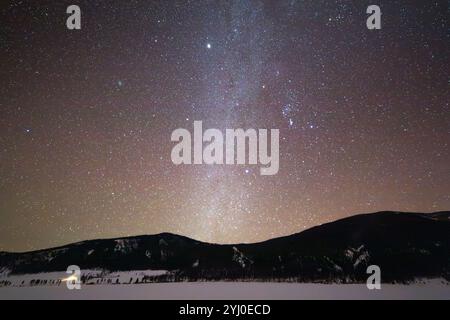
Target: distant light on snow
(70, 278)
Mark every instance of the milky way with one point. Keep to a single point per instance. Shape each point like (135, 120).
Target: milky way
(86, 116)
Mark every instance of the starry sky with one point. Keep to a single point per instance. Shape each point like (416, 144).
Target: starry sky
(86, 116)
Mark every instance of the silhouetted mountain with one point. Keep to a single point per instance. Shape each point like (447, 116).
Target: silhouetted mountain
(404, 245)
(443, 215)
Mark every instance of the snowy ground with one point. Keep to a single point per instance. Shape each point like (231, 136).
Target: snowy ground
(434, 289)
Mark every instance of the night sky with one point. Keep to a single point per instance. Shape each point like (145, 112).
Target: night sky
(86, 116)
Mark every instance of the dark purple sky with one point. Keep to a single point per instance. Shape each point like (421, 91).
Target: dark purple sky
(86, 116)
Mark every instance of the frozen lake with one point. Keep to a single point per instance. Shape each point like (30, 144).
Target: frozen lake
(434, 289)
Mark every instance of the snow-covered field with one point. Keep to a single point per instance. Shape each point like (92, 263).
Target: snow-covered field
(431, 289)
(99, 284)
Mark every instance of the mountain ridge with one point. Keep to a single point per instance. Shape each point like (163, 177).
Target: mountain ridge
(405, 245)
(436, 214)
